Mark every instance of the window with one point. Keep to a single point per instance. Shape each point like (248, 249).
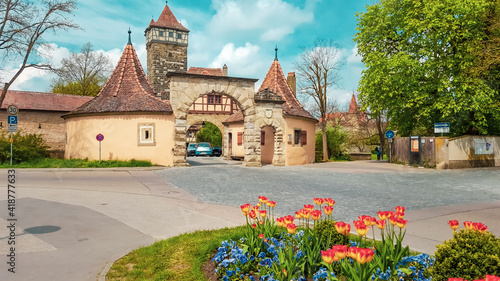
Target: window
(214, 99)
(179, 35)
(170, 34)
(262, 137)
(146, 134)
(240, 138)
(304, 138)
(169, 54)
(297, 136)
(162, 33)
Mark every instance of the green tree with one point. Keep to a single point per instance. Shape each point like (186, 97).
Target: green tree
(22, 26)
(210, 133)
(336, 140)
(82, 73)
(419, 56)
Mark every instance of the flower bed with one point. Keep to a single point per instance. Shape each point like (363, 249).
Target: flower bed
(290, 248)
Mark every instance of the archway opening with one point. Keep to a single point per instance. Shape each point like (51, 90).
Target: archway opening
(267, 134)
(204, 132)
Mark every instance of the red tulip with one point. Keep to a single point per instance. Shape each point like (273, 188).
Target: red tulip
(263, 213)
(393, 220)
(343, 228)
(289, 219)
(298, 215)
(369, 221)
(468, 224)
(316, 215)
(364, 255)
(309, 207)
(291, 228)
(400, 209)
(330, 202)
(381, 224)
(306, 214)
(340, 251)
(401, 223)
(328, 210)
(318, 201)
(245, 209)
(252, 214)
(281, 222)
(328, 256)
(262, 199)
(361, 228)
(383, 215)
(477, 226)
(261, 236)
(453, 224)
(271, 204)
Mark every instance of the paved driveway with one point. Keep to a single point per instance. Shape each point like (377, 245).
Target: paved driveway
(359, 188)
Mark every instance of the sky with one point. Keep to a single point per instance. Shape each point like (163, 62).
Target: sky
(239, 33)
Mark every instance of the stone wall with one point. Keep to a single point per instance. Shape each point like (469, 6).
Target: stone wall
(52, 127)
(163, 58)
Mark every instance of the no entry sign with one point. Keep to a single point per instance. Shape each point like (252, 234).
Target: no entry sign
(99, 137)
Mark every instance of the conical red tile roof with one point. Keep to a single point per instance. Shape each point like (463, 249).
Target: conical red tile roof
(127, 90)
(275, 81)
(353, 106)
(167, 20)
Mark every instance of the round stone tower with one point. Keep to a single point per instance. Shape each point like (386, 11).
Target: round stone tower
(166, 46)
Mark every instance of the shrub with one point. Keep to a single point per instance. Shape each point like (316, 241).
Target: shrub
(336, 139)
(469, 255)
(325, 231)
(25, 147)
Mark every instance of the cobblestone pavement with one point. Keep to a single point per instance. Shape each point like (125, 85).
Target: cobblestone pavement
(359, 188)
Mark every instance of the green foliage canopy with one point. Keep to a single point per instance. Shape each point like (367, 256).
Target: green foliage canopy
(336, 139)
(210, 133)
(420, 56)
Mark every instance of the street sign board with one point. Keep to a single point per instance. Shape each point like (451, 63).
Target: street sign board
(441, 128)
(12, 123)
(389, 134)
(99, 137)
(12, 110)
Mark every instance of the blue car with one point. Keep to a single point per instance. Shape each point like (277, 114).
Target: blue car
(203, 149)
(191, 149)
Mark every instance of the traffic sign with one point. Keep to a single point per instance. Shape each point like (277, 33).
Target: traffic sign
(12, 110)
(441, 128)
(389, 134)
(12, 123)
(99, 137)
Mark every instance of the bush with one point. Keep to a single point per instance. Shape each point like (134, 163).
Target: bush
(469, 255)
(25, 147)
(325, 231)
(336, 139)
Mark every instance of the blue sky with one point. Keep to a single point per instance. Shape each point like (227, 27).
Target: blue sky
(239, 33)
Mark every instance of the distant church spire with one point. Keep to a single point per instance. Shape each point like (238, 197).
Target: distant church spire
(129, 38)
(276, 51)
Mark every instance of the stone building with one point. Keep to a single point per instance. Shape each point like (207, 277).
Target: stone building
(40, 113)
(149, 118)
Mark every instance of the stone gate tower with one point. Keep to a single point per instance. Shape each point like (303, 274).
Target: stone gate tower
(166, 46)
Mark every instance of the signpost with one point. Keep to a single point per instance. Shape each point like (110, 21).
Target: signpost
(441, 128)
(389, 135)
(12, 125)
(99, 138)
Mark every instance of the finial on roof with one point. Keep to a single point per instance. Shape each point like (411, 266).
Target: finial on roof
(129, 39)
(166, 2)
(276, 50)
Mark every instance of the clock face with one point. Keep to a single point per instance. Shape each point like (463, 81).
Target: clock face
(12, 109)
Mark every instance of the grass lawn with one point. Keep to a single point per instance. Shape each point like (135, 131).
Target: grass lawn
(179, 258)
(374, 157)
(77, 163)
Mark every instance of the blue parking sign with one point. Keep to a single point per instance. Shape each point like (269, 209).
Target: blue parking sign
(12, 119)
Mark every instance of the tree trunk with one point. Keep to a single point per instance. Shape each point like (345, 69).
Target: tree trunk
(4, 93)
(381, 135)
(325, 144)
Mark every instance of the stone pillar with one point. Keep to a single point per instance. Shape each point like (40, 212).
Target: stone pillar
(180, 143)
(251, 142)
(279, 150)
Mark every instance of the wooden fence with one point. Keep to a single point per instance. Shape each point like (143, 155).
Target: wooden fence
(400, 151)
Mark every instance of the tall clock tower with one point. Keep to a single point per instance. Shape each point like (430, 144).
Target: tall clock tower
(166, 46)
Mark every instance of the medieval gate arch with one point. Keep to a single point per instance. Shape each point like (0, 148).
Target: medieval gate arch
(186, 88)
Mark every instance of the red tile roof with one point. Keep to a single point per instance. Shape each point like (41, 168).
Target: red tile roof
(276, 81)
(43, 101)
(206, 71)
(167, 20)
(234, 118)
(127, 90)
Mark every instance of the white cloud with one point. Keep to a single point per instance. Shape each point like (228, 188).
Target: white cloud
(32, 79)
(242, 60)
(269, 20)
(353, 56)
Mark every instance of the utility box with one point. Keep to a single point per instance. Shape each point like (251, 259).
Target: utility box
(415, 151)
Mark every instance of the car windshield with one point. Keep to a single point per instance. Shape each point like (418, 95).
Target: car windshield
(192, 145)
(203, 145)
